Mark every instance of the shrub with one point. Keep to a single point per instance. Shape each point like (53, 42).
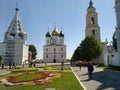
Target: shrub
(18, 67)
(48, 68)
(24, 70)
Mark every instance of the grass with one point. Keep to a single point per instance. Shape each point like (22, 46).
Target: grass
(54, 67)
(117, 68)
(27, 77)
(67, 82)
(24, 70)
(59, 68)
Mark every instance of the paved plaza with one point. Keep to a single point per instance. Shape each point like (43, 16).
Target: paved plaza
(103, 79)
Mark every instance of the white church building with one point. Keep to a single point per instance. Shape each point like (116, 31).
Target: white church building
(109, 55)
(14, 48)
(54, 51)
(114, 56)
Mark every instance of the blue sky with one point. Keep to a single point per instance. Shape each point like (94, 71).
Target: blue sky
(38, 15)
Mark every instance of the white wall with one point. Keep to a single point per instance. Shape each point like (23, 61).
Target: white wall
(103, 58)
(25, 53)
(2, 48)
(50, 53)
(113, 59)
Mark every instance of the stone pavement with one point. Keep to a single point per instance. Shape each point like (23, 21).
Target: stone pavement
(2, 72)
(103, 79)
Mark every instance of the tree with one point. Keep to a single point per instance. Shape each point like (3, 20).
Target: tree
(114, 42)
(32, 48)
(76, 55)
(90, 48)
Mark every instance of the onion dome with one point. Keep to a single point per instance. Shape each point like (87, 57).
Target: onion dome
(90, 4)
(61, 34)
(48, 34)
(55, 32)
(16, 9)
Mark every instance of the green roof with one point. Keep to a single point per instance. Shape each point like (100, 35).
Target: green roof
(61, 34)
(90, 4)
(48, 34)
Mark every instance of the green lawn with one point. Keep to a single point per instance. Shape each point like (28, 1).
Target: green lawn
(54, 67)
(27, 77)
(67, 82)
(117, 68)
(59, 68)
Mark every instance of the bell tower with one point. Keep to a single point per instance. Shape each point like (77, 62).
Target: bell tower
(15, 42)
(92, 27)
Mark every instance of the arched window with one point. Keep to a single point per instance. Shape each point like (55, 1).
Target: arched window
(12, 35)
(46, 49)
(93, 32)
(92, 20)
(54, 49)
(20, 35)
(61, 56)
(46, 56)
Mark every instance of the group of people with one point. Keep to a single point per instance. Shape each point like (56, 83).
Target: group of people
(86, 64)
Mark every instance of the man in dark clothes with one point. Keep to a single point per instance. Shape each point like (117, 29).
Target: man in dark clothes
(90, 70)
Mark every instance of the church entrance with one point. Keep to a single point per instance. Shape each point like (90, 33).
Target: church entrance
(54, 60)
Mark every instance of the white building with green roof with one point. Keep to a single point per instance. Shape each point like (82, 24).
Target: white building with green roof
(54, 51)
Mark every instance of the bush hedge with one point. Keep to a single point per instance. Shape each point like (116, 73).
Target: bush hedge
(24, 70)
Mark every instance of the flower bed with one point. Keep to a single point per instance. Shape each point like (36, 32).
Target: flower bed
(42, 78)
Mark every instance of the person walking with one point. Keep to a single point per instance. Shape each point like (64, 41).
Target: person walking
(90, 70)
(62, 65)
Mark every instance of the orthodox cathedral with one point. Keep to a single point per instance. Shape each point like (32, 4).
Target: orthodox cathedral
(54, 50)
(14, 48)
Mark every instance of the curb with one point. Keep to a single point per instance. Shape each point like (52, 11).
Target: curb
(78, 79)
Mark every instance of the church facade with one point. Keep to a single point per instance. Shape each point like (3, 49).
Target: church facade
(93, 29)
(109, 55)
(117, 32)
(115, 55)
(14, 48)
(54, 51)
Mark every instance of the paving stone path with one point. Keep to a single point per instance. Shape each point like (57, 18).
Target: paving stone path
(103, 79)
(2, 72)
(50, 89)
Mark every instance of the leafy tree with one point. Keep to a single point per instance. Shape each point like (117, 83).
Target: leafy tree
(33, 49)
(76, 54)
(90, 48)
(114, 42)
